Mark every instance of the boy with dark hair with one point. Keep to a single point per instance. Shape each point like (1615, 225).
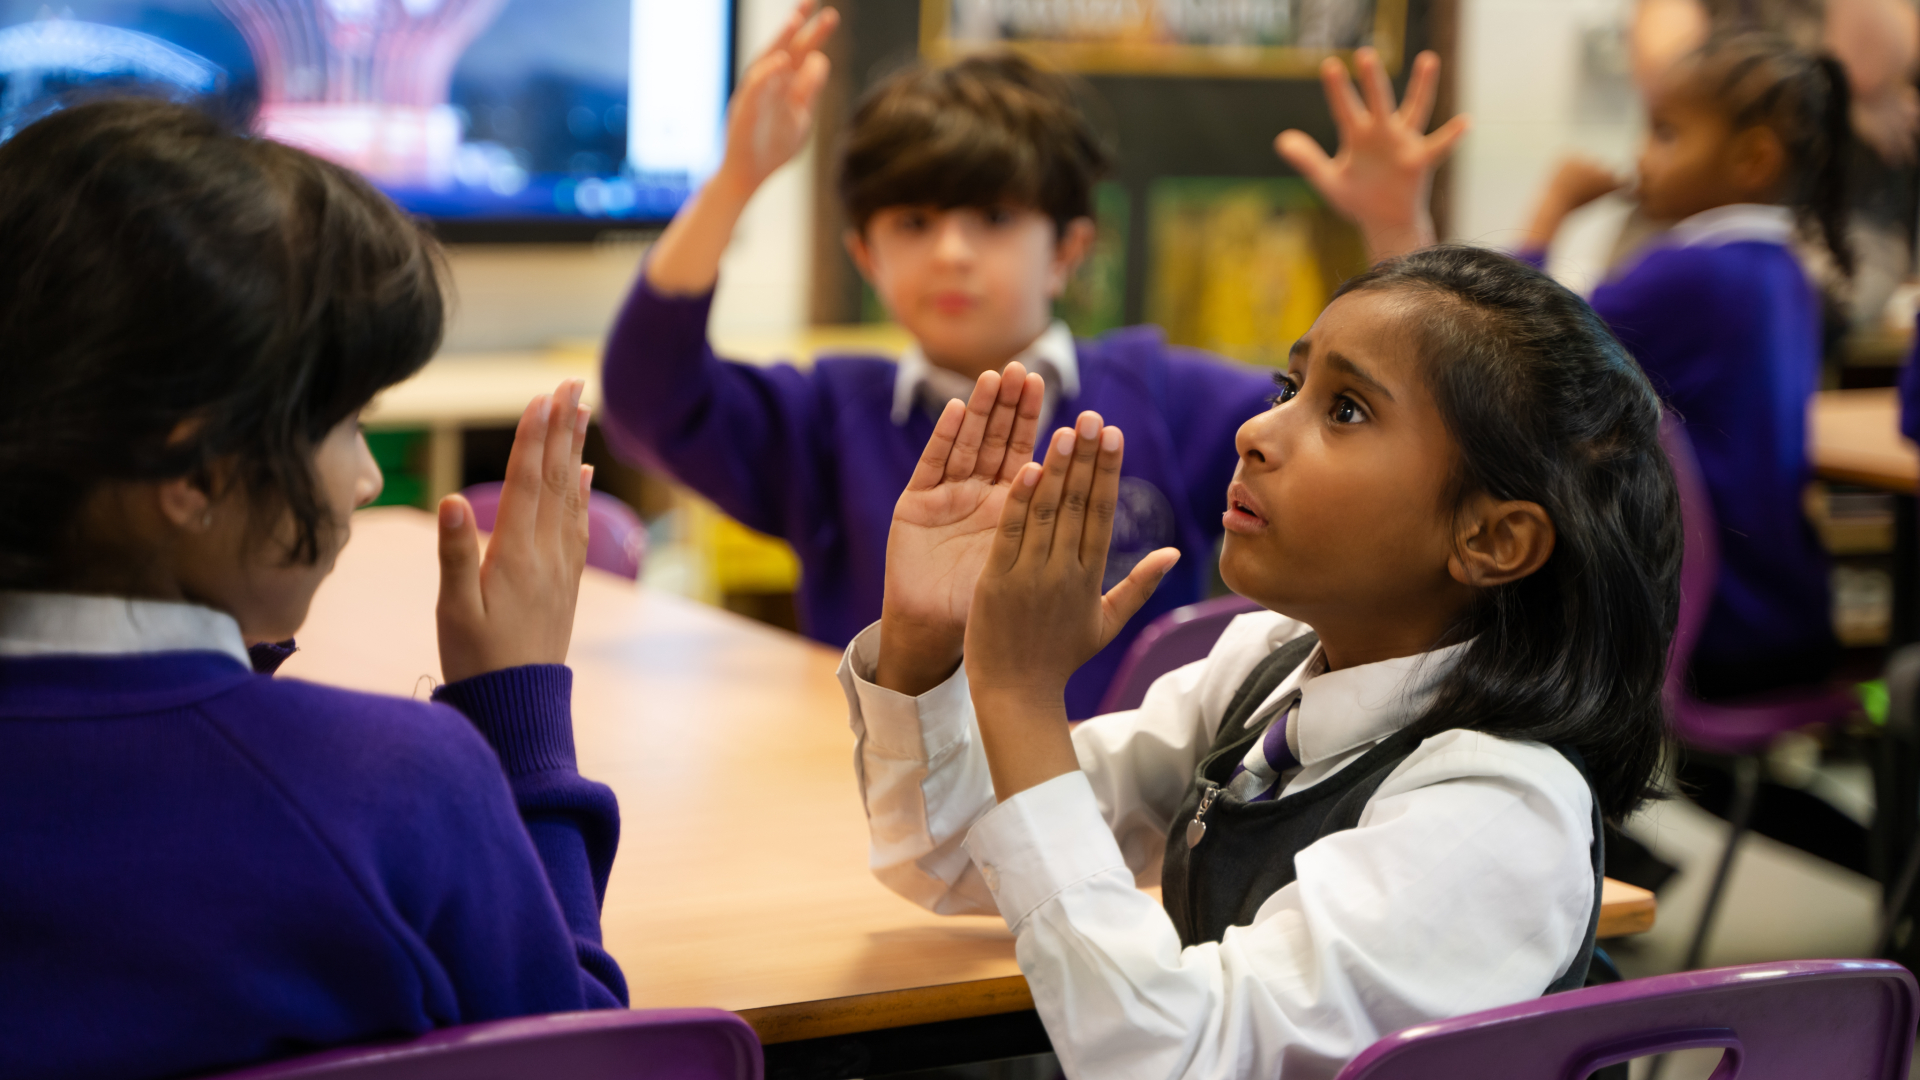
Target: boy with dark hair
(969, 192)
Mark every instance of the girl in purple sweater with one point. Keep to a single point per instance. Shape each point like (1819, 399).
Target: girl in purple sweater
(206, 866)
(1746, 147)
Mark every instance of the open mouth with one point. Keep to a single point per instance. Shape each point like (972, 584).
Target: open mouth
(1242, 514)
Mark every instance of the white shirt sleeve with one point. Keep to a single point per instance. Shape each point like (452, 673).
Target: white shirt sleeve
(923, 774)
(1465, 885)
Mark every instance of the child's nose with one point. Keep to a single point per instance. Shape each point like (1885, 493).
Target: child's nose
(952, 243)
(1258, 440)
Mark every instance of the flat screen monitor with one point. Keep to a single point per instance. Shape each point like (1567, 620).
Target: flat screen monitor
(494, 119)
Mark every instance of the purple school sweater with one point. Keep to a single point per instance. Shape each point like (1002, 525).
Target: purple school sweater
(206, 867)
(815, 458)
(1729, 334)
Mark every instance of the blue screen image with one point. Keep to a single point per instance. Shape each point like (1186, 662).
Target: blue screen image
(459, 109)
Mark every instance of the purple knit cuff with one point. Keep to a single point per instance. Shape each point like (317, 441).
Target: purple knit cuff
(524, 713)
(267, 656)
(692, 307)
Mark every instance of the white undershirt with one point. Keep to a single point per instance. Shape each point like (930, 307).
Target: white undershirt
(50, 624)
(1467, 883)
(920, 382)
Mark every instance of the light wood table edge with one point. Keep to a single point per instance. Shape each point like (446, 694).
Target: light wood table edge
(1624, 910)
(890, 1009)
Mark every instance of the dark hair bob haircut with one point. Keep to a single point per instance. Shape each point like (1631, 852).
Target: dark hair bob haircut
(174, 296)
(1545, 406)
(989, 129)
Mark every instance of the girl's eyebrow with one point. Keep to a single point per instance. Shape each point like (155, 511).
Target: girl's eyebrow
(1359, 374)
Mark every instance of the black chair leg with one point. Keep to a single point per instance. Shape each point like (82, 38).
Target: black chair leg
(1746, 786)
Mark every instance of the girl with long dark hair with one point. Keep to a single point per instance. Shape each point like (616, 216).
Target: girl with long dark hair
(1377, 803)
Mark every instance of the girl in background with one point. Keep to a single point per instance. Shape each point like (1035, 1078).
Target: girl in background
(206, 866)
(1746, 143)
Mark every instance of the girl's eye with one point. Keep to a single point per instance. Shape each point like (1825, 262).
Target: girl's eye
(1347, 411)
(1283, 390)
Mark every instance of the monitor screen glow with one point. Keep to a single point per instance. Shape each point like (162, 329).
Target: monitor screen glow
(589, 113)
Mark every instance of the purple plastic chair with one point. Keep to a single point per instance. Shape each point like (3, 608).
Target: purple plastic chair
(1173, 640)
(1851, 1019)
(1741, 728)
(616, 537)
(614, 1044)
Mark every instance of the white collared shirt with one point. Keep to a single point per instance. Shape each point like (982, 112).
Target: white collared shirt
(1732, 224)
(68, 624)
(1467, 883)
(920, 382)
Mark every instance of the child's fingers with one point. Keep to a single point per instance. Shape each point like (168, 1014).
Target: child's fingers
(813, 33)
(993, 446)
(520, 495)
(1342, 101)
(1439, 144)
(933, 460)
(460, 597)
(1077, 490)
(1026, 426)
(1422, 86)
(1373, 82)
(1301, 151)
(1015, 514)
(1125, 600)
(790, 29)
(1043, 518)
(559, 468)
(1098, 535)
(808, 81)
(966, 445)
(583, 518)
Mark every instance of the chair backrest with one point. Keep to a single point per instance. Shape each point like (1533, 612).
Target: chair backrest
(1851, 1019)
(614, 1044)
(616, 537)
(1700, 563)
(1173, 640)
(1731, 727)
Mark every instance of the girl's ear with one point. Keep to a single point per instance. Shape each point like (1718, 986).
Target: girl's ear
(1759, 161)
(185, 504)
(1075, 242)
(1497, 542)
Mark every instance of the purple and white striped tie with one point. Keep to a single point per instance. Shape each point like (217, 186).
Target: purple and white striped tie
(1262, 781)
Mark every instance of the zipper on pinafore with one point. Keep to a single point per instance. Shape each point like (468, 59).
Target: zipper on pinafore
(1196, 832)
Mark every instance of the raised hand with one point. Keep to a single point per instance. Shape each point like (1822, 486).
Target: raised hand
(771, 114)
(1038, 613)
(768, 122)
(1383, 172)
(1577, 182)
(516, 606)
(943, 525)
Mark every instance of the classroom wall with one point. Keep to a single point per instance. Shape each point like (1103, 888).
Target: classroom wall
(527, 297)
(1541, 78)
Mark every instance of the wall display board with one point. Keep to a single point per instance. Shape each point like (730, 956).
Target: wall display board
(497, 119)
(1252, 38)
(1203, 229)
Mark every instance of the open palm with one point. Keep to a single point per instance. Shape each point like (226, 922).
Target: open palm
(944, 523)
(1384, 168)
(771, 115)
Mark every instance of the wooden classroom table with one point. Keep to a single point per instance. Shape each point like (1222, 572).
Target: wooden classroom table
(455, 392)
(1854, 437)
(742, 877)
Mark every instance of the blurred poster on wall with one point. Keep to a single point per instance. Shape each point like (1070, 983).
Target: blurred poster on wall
(1252, 38)
(1242, 267)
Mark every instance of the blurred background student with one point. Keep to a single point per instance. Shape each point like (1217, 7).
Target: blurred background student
(969, 194)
